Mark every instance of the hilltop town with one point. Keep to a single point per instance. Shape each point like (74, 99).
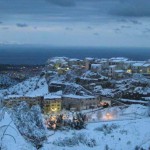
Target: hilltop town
(97, 90)
(76, 84)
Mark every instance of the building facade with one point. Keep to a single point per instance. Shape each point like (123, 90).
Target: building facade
(77, 103)
(52, 104)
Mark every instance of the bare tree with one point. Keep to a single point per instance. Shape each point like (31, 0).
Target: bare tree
(149, 108)
(4, 128)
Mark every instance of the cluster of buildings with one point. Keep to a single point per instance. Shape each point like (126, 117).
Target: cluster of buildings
(81, 82)
(54, 104)
(118, 67)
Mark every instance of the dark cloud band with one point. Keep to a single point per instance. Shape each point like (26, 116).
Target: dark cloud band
(74, 10)
(64, 3)
(21, 25)
(132, 8)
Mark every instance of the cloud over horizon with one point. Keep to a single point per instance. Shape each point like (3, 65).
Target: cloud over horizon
(94, 22)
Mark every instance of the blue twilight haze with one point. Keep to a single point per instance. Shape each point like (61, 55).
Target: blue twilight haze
(76, 22)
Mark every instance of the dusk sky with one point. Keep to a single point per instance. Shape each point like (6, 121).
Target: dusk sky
(117, 23)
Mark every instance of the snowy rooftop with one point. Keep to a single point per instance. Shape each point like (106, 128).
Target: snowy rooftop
(12, 96)
(119, 59)
(89, 58)
(58, 59)
(50, 96)
(138, 64)
(74, 59)
(78, 96)
(133, 101)
(146, 65)
(119, 71)
(112, 66)
(95, 65)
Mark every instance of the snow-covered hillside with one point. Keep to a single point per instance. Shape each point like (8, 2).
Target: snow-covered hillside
(6, 81)
(35, 86)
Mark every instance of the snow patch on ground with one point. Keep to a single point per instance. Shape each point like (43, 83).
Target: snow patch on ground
(12, 140)
(126, 132)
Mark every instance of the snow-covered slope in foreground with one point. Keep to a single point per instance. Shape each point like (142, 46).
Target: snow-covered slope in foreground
(124, 132)
(121, 134)
(12, 139)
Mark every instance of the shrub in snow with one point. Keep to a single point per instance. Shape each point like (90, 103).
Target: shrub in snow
(2, 108)
(97, 88)
(107, 129)
(141, 148)
(137, 148)
(76, 140)
(6, 81)
(149, 108)
(129, 142)
(29, 123)
(106, 147)
(78, 122)
(124, 132)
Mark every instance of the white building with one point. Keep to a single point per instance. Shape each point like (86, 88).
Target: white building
(96, 68)
(111, 71)
(137, 67)
(88, 62)
(146, 68)
(118, 61)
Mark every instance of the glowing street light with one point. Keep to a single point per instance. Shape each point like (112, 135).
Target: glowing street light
(108, 116)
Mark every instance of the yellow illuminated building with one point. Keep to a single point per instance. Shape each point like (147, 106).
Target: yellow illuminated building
(148, 70)
(129, 71)
(48, 104)
(52, 105)
(31, 101)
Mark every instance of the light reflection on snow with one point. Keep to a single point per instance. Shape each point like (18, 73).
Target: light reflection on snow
(108, 116)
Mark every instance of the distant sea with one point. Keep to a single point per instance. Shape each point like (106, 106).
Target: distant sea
(13, 54)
